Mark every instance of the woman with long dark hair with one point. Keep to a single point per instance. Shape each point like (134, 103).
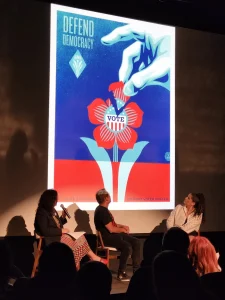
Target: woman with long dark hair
(188, 216)
(50, 225)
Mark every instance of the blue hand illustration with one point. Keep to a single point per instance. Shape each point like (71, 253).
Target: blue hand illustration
(150, 53)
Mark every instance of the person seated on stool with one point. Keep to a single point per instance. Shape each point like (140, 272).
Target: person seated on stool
(116, 235)
(49, 225)
(188, 216)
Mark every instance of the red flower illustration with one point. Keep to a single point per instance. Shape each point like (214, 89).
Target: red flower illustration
(112, 128)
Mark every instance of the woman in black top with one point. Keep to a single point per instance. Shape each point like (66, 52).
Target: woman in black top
(50, 225)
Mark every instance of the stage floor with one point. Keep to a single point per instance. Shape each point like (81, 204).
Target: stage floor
(117, 286)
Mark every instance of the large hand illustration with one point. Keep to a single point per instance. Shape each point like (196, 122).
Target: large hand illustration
(150, 54)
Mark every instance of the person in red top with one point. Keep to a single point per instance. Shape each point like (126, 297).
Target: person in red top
(116, 235)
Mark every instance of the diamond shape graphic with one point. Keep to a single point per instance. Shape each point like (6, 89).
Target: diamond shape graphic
(77, 64)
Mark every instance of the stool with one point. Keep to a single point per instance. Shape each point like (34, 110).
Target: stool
(37, 255)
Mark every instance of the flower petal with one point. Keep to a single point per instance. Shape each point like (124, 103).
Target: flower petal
(117, 89)
(104, 137)
(116, 85)
(126, 138)
(134, 114)
(108, 102)
(96, 111)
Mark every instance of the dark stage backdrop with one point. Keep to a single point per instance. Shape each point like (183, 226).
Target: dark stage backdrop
(24, 93)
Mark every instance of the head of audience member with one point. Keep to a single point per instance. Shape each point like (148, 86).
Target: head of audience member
(176, 239)
(6, 263)
(140, 286)
(103, 198)
(94, 281)
(152, 246)
(57, 263)
(195, 201)
(202, 255)
(48, 200)
(174, 277)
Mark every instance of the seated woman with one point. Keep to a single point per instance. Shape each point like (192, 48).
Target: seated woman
(189, 215)
(203, 257)
(49, 225)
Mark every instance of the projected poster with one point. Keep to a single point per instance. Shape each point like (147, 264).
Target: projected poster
(111, 116)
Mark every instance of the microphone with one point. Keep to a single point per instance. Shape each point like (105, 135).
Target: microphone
(65, 211)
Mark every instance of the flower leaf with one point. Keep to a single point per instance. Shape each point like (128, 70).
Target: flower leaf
(127, 161)
(102, 158)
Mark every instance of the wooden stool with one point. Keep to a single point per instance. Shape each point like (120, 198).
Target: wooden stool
(37, 255)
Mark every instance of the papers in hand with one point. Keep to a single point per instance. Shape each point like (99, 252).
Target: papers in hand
(76, 235)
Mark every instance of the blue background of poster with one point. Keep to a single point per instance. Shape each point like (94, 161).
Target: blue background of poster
(74, 95)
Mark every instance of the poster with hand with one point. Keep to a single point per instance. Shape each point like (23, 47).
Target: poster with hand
(112, 110)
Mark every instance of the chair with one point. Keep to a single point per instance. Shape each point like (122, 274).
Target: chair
(110, 252)
(37, 254)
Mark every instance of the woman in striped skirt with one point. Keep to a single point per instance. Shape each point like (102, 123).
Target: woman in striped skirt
(49, 225)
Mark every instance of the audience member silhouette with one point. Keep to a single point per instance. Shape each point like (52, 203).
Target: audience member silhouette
(50, 264)
(141, 286)
(152, 246)
(174, 277)
(56, 275)
(5, 266)
(8, 272)
(215, 282)
(141, 282)
(176, 239)
(203, 257)
(94, 281)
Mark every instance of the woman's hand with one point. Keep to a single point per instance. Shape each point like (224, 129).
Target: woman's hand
(65, 230)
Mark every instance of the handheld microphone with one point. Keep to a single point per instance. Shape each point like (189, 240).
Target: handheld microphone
(65, 211)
